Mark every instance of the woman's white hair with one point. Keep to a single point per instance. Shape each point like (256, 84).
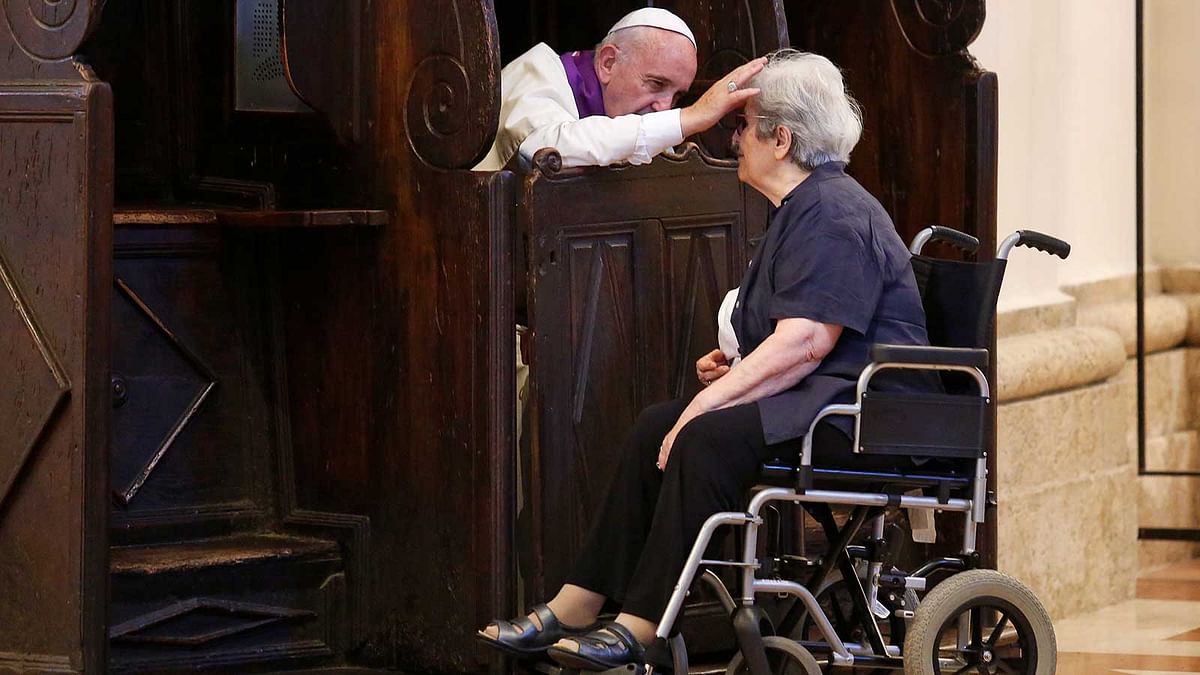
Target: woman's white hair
(805, 93)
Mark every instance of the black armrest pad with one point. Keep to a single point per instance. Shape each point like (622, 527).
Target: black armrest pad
(938, 356)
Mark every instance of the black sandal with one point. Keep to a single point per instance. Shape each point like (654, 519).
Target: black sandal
(612, 646)
(520, 637)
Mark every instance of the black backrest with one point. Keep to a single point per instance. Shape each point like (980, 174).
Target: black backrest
(960, 305)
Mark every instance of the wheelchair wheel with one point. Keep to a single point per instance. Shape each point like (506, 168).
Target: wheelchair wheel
(785, 657)
(1008, 630)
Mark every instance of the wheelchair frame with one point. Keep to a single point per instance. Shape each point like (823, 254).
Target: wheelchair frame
(748, 617)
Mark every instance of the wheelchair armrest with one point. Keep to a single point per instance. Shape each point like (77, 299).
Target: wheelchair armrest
(929, 356)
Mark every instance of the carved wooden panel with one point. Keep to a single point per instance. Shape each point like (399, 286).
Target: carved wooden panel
(55, 172)
(702, 259)
(625, 287)
(190, 424)
(36, 385)
(597, 324)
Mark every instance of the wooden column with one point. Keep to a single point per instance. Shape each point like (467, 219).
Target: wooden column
(56, 172)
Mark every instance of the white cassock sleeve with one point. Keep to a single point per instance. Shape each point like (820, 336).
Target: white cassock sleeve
(538, 111)
(600, 141)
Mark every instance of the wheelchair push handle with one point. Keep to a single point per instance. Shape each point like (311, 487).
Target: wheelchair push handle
(1032, 239)
(959, 240)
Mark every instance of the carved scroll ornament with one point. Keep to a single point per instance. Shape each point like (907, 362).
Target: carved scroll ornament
(452, 105)
(52, 29)
(939, 27)
(438, 102)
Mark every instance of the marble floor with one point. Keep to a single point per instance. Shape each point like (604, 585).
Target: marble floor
(1157, 633)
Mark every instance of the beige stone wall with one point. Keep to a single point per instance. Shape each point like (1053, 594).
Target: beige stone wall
(1066, 142)
(1071, 500)
(1172, 137)
(1065, 522)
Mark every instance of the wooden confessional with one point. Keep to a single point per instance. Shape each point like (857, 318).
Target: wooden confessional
(256, 325)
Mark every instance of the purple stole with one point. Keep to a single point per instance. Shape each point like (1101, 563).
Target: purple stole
(581, 74)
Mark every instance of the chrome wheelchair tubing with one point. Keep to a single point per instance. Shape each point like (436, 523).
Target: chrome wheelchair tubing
(877, 499)
(979, 492)
(849, 409)
(864, 378)
(1007, 245)
(873, 571)
(920, 240)
(718, 587)
(841, 655)
(693, 563)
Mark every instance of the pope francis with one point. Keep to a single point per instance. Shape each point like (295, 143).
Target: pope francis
(613, 104)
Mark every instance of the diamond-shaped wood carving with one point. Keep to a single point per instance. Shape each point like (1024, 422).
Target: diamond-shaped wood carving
(199, 621)
(165, 387)
(33, 385)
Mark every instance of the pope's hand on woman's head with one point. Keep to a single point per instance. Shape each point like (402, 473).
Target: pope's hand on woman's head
(723, 97)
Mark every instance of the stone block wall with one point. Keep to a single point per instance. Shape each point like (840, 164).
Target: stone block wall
(1071, 500)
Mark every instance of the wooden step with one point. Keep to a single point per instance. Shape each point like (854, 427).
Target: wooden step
(231, 603)
(205, 553)
(191, 216)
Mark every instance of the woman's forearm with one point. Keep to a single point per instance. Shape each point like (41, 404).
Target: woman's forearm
(787, 356)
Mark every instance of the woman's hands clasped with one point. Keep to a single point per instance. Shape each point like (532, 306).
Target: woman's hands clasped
(711, 366)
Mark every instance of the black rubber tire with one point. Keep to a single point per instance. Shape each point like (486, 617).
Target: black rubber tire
(780, 647)
(974, 588)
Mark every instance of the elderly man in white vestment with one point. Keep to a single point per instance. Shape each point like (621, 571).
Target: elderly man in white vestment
(614, 104)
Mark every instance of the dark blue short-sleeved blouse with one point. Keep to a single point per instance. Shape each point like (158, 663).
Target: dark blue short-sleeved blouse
(831, 254)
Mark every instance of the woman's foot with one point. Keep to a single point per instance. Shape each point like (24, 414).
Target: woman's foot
(528, 635)
(572, 611)
(617, 644)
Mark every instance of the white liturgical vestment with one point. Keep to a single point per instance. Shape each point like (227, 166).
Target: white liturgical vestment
(538, 110)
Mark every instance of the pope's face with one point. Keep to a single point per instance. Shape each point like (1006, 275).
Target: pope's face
(646, 77)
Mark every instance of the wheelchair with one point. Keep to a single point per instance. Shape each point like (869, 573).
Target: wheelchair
(851, 609)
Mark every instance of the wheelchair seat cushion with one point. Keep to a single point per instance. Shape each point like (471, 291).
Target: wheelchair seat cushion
(836, 466)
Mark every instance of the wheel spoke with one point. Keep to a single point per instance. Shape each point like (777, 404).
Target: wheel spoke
(997, 631)
(977, 627)
(964, 669)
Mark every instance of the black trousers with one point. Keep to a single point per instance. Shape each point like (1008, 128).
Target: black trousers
(649, 519)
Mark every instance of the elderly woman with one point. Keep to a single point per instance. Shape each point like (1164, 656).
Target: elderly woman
(831, 277)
